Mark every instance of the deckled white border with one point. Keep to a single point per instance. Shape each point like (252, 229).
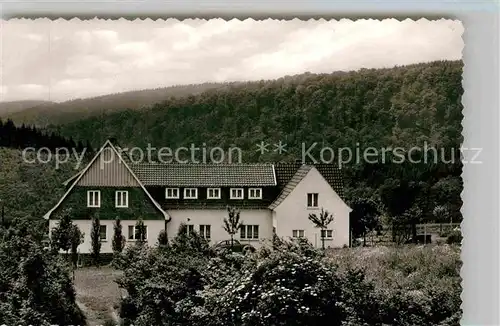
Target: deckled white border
(481, 245)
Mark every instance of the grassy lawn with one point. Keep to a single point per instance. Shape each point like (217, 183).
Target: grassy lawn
(411, 266)
(97, 293)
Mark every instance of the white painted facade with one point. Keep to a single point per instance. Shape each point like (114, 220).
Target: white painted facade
(215, 218)
(153, 230)
(292, 213)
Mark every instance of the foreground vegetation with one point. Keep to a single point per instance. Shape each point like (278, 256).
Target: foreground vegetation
(290, 283)
(35, 285)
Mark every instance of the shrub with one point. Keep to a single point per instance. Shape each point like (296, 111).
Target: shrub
(454, 237)
(35, 285)
(291, 283)
(156, 282)
(163, 239)
(189, 242)
(283, 287)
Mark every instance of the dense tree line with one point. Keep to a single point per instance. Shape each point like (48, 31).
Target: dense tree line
(416, 105)
(29, 190)
(20, 137)
(44, 113)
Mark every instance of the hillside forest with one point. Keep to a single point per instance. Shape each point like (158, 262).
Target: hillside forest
(407, 106)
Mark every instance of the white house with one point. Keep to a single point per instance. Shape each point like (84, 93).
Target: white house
(271, 198)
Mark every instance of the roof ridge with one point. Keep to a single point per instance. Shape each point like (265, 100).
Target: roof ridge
(206, 164)
(291, 184)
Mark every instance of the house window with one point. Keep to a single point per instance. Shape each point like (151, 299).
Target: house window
(297, 233)
(189, 228)
(255, 193)
(249, 232)
(93, 198)
(327, 234)
(312, 200)
(172, 193)
(121, 198)
(190, 193)
(103, 233)
(213, 193)
(236, 193)
(133, 232)
(205, 231)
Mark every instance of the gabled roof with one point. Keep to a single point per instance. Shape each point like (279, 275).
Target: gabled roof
(289, 181)
(294, 181)
(331, 173)
(123, 155)
(281, 177)
(78, 176)
(205, 175)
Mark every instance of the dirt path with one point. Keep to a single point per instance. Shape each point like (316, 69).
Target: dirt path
(97, 294)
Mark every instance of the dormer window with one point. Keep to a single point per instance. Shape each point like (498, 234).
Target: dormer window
(255, 193)
(236, 193)
(93, 198)
(172, 193)
(190, 193)
(213, 193)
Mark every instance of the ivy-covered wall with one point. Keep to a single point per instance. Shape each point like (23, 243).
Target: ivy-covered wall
(139, 205)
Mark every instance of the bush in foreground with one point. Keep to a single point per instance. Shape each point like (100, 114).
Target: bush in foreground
(291, 283)
(35, 285)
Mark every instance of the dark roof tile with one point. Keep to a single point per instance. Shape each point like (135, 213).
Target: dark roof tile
(294, 181)
(205, 175)
(331, 173)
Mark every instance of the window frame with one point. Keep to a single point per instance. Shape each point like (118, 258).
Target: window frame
(189, 228)
(297, 233)
(98, 192)
(172, 197)
(254, 189)
(244, 231)
(312, 194)
(126, 198)
(191, 197)
(134, 233)
(233, 197)
(105, 232)
(203, 233)
(327, 231)
(213, 197)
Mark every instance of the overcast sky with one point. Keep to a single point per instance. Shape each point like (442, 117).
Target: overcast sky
(61, 60)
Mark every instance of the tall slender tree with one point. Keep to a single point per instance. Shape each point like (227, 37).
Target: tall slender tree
(322, 221)
(61, 235)
(76, 240)
(232, 223)
(118, 242)
(140, 232)
(95, 237)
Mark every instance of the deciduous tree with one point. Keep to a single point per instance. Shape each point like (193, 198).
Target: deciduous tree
(232, 223)
(322, 221)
